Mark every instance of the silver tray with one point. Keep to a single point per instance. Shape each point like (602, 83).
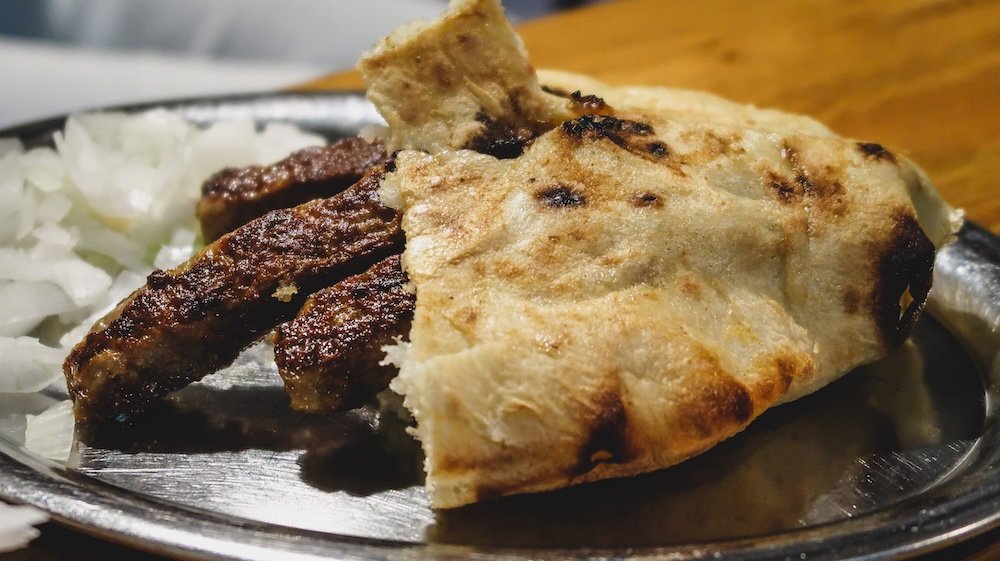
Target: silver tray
(896, 458)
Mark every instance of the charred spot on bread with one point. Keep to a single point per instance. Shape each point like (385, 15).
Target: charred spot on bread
(784, 367)
(614, 129)
(783, 190)
(877, 152)
(826, 190)
(580, 103)
(721, 402)
(633, 136)
(647, 199)
(561, 195)
(588, 104)
(821, 184)
(904, 265)
(506, 148)
(802, 180)
(554, 91)
(607, 438)
(501, 140)
(657, 148)
(787, 371)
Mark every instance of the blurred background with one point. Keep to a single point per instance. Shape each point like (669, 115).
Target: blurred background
(58, 56)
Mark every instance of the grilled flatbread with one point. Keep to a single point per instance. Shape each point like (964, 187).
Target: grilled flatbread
(644, 280)
(457, 82)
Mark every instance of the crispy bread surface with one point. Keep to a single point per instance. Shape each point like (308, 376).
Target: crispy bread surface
(462, 80)
(630, 292)
(645, 279)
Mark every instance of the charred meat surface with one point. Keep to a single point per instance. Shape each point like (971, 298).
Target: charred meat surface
(328, 356)
(190, 321)
(233, 197)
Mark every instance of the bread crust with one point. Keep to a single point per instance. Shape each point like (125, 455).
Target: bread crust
(654, 270)
(597, 309)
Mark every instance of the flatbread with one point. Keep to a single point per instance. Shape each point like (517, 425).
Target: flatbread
(442, 84)
(639, 284)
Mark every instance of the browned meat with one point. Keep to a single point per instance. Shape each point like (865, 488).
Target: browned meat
(233, 197)
(188, 322)
(328, 356)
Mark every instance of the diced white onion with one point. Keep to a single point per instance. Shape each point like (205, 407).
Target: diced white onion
(177, 251)
(26, 365)
(16, 526)
(80, 280)
(44, 170)
(114, 200)
(26, 304)
(50, 434)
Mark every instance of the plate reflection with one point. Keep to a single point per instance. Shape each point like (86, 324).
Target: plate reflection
(881, 434)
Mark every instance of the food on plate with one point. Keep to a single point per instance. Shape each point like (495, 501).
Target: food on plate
(641, 282)
(190, 321)
(329, 355)
(463, 81)
(582, 323)
(603, 280)
(235, 196)
(84, 220)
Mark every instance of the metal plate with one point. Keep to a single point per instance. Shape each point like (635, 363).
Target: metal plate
(897, 457)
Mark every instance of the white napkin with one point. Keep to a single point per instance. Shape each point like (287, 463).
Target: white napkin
(16, 526)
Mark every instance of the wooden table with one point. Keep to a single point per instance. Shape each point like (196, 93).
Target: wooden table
(922, 77)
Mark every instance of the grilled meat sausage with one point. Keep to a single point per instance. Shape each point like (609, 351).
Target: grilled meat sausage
(190, 321)
(328, 356)
(233, 197)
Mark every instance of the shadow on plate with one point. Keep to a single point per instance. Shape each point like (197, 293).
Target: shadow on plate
(360, 452)
(876, 437)
(879, 435)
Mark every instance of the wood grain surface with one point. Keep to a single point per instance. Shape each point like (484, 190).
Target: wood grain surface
(922, 77)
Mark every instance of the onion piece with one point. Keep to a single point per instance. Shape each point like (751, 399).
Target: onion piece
(16, 523)
(26, 365)
(50, 433)
(81, 281)
(26, 304)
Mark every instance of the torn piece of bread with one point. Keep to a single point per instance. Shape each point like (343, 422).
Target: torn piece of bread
(457, 82)
(643, 281)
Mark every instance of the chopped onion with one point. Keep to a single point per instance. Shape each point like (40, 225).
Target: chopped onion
(114, 200)
(26, 304)
(177, 251)
(80, 280)
(50, 434)
(26, 365)
(44, 170)
(16, 523)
